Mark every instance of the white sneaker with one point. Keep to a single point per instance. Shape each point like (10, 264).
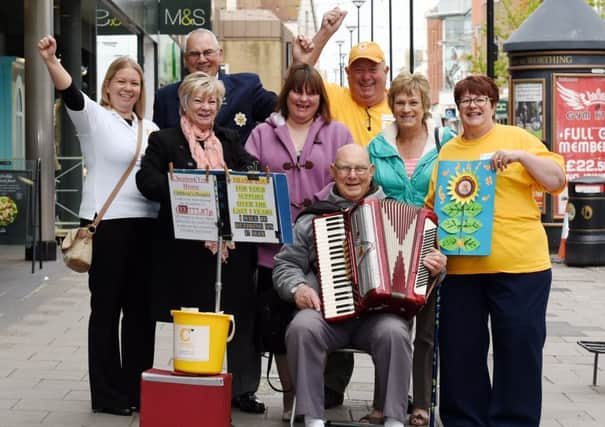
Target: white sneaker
(314, 422)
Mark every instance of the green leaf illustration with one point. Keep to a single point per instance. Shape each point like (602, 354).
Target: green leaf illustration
(470, 225)
(472, 209)
(452, 209)
(470, 243)
(449, 243)
(451, 225)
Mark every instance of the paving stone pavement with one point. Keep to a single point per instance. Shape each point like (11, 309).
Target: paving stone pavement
(43, 356)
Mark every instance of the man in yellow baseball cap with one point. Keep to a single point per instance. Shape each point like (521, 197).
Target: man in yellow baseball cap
(362, 106)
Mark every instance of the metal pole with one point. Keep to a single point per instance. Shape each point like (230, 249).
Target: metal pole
(340, 58)
(39, 98)
(358, 4)
(372, 19)
(358, 23)
(218, 285)
(490, 39)
(411, 35)
(390, 41)
(351, 28)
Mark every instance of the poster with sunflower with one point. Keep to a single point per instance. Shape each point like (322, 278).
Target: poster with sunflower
(464, 204)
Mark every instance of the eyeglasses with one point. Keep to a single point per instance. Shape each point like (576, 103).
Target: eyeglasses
(480, 101)
(346, 170)
(208, 53)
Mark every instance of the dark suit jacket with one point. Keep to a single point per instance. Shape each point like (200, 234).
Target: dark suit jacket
(184, 271)
(246, 104)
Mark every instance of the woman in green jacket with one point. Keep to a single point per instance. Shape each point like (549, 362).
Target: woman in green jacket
(404, 155)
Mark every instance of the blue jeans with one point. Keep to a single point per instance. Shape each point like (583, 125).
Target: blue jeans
(515, 305)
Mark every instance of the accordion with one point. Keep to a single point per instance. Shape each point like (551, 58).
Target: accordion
(370, 258)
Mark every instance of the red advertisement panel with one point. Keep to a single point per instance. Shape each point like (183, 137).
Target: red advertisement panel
(579, 127)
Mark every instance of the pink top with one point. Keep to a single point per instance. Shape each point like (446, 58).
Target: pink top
(410, 165)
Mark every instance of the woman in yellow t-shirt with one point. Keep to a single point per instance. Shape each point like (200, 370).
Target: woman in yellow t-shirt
(506, 292)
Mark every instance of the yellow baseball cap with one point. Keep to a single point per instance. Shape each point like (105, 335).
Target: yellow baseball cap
(367, 50)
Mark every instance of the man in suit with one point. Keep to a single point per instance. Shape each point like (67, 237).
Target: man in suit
(246, 101)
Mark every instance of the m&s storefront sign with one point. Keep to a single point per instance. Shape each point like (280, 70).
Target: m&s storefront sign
(182, 16)
(174, 16)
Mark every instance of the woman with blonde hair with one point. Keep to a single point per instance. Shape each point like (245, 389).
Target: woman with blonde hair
(119, 275)
(184, 271)
(404, 155)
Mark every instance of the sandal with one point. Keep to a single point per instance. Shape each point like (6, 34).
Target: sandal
(372, 419)
(419, 418)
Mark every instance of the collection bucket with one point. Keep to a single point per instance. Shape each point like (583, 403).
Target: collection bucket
(200, 340)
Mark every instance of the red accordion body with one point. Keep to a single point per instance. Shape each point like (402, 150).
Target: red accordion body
(370, 258)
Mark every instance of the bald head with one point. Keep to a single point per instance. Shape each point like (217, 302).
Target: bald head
(202, 52)
(352, 172)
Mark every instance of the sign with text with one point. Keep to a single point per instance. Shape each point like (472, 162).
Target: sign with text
(183, 16)
(579, 127)
(252, 209)
(247, 206)
(14, 189)
(194, 206)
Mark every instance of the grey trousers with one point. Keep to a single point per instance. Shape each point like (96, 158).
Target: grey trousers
(424, 342)
(386, 337)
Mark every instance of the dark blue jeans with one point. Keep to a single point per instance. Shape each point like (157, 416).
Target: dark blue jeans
(515, 305)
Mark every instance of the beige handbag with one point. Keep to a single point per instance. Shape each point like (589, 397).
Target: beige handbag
(77, 244)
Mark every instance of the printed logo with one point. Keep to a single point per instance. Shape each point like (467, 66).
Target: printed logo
(581, 100)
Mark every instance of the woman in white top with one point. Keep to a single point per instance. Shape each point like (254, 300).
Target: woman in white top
(119, 275)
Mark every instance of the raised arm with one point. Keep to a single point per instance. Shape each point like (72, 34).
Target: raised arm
(308, 51)
(47, 47)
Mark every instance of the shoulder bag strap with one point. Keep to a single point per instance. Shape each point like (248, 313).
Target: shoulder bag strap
(92, 227)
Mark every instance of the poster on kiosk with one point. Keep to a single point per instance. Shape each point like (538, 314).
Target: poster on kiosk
(579, 127)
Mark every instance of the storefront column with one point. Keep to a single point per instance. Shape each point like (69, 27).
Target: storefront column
(39, 137)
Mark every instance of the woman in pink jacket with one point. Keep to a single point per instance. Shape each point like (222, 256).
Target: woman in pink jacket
(301, 140)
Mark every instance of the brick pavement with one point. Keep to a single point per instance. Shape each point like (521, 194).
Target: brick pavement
(44, 380)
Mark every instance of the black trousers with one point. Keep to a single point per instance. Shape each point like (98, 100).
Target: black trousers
(119, 282)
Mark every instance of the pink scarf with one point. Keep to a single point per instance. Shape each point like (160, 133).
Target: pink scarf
(211, 155)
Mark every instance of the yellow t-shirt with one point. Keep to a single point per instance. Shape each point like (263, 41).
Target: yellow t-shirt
(519, 243)
(363, 123)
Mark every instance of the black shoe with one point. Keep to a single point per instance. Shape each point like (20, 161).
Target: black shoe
(248, 402)
(332, 398)
(410, 405)
(126, 412)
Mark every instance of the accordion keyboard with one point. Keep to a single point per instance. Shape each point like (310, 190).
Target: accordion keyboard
(334, 275)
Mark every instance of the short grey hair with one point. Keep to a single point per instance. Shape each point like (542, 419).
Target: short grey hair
(202, 31)
(210, 86)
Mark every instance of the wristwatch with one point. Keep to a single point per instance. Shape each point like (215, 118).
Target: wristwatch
(296, 288)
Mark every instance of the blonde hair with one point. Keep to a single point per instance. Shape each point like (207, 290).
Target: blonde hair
(117, 65)
(407, 83)
(209, 86)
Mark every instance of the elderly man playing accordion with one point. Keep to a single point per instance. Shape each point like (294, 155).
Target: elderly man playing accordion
(310, 338)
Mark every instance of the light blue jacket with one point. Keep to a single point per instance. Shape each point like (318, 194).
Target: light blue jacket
(390, 168)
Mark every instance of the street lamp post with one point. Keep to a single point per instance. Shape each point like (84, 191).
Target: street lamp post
(340, 57)
(358, 4)
(351, 28)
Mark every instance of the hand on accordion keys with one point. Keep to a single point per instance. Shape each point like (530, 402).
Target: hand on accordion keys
(306, 297)
(435, 261)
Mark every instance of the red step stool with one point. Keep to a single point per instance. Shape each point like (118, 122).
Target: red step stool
(170, 399)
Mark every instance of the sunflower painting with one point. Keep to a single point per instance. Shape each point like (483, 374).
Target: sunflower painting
(464, 203)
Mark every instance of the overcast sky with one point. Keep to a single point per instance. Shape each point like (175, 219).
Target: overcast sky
(400, 30)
